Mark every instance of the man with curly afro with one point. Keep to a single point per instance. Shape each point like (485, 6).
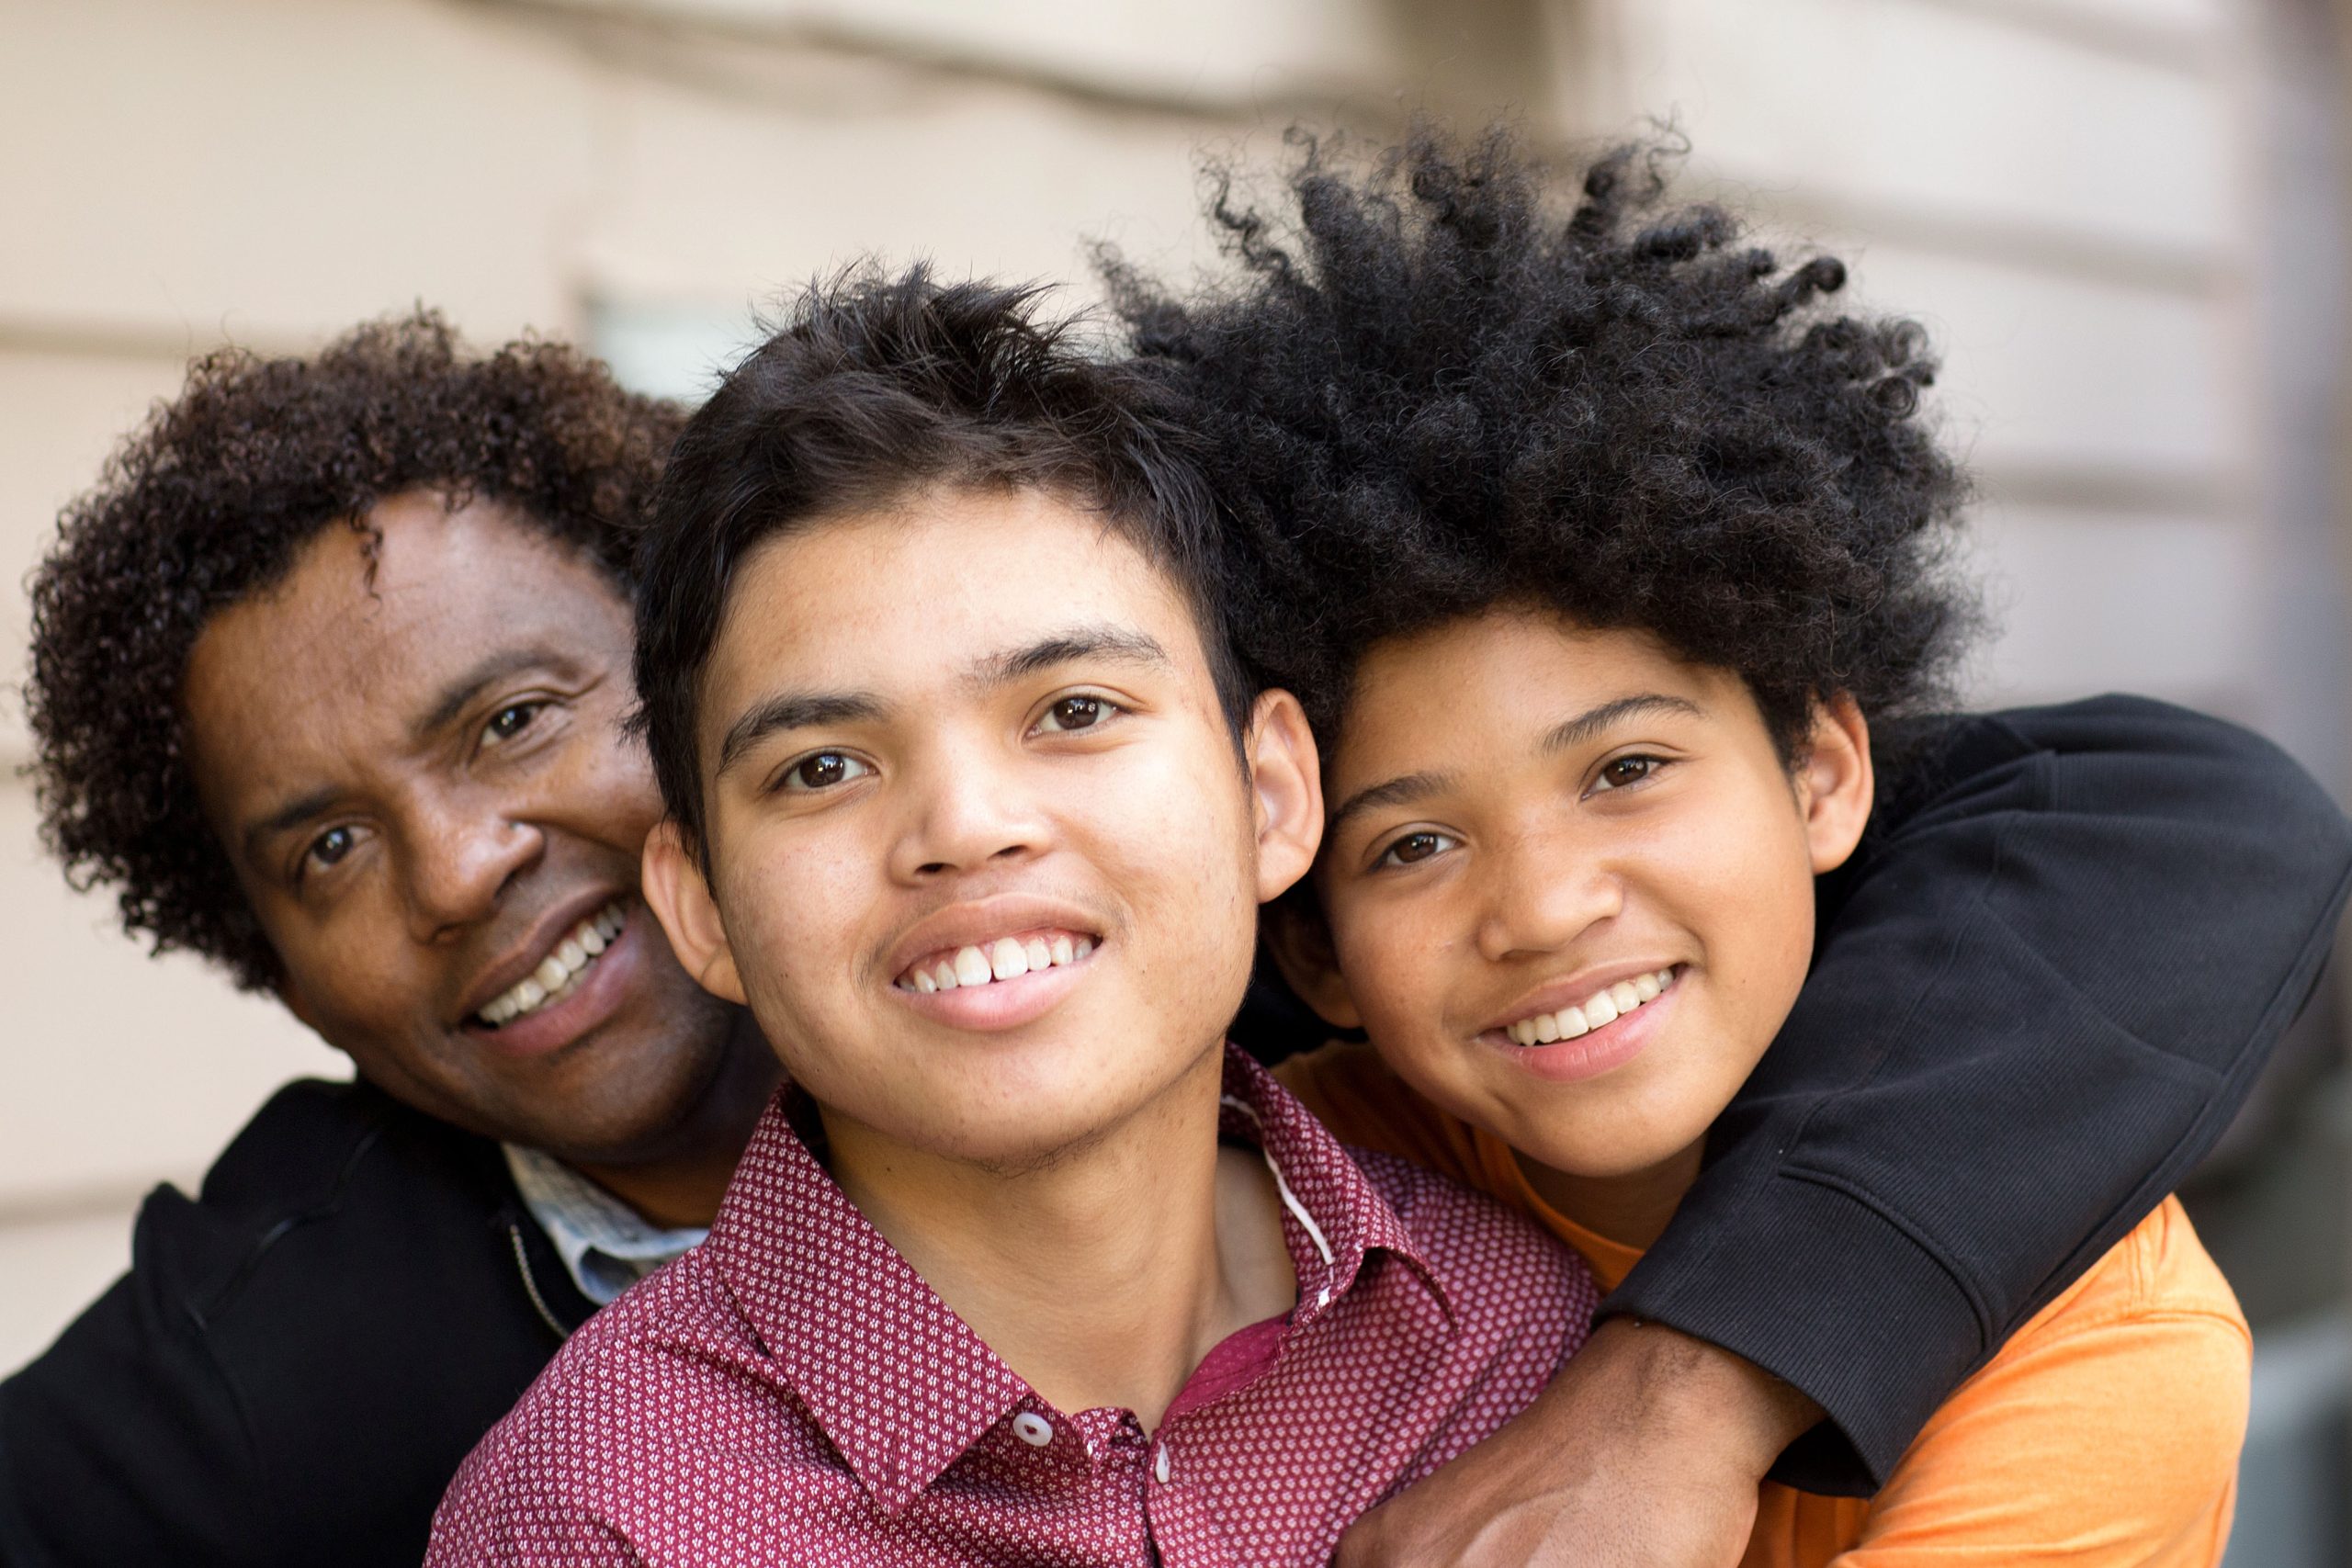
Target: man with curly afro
(1599, 549)
(329, 678)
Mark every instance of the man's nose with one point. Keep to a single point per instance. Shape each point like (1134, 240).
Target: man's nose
(461, 858)
(967, 809)
(1543, 890)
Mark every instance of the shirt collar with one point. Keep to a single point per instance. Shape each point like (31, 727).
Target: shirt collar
(844, 1315)
(606, 1247)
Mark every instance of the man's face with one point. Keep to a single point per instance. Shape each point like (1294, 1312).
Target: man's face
(984, 864)
(416, 764)
(1570, 880)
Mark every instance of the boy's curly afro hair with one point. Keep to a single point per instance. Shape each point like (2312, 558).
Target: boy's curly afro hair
(210, 502)
(1428, 392)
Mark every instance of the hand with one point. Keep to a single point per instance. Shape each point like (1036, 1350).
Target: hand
(1645, 1452)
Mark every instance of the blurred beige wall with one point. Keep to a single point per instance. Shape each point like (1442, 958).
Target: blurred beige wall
(2062, 189)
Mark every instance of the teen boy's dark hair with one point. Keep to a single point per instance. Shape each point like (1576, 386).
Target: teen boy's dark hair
(1428, 393)
(210, 502)
(878, 387)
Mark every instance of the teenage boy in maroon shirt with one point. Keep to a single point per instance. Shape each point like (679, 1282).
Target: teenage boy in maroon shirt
(972, 807)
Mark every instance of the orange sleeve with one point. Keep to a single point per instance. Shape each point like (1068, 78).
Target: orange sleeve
(2104, 1434)
(1352, 1092)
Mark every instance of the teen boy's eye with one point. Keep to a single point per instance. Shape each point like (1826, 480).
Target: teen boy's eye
(1619, 771)
(1413, 847)
(822, 770)
(1077, 713)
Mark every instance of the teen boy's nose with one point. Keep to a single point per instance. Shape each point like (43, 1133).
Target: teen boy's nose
(460, 856)
(1539, 894)
(968, 813)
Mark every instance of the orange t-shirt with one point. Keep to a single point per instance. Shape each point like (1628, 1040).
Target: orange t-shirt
(2104, 1433)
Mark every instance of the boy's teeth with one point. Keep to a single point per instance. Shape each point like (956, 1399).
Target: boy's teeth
(556, 972)
(1602, 1007)
(1007, 958)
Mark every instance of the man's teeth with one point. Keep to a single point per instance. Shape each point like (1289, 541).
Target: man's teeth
(1007, 958)
(560, 970)
(1606, 1005)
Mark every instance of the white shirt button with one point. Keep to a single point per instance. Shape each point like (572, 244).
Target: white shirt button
(1323, 1297)
(1032, 1429)
(1159, 1465)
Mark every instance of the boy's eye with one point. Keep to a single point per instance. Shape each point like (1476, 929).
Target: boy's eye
(511, 720)
(1619, 771)
(1077, 713)
(823, 770)
(1415, 847)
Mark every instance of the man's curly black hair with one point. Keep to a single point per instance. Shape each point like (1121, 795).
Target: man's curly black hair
(210, 502)
(1430, 389)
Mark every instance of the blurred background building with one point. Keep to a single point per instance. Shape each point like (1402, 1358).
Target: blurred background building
(2124, 221)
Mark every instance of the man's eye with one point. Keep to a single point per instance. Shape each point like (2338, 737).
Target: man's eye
(1077, 713)
(1415, 847)
(823, 770)
(1619, 771)
(330, 847)
(511, 720)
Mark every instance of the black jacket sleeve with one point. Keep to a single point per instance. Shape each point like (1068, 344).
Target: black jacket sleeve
(2047, 981)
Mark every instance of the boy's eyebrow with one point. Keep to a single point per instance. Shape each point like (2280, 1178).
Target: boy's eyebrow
(1592, 721)
(795, 710)
(1392, 791)
(1570, 733)
(1100, 642)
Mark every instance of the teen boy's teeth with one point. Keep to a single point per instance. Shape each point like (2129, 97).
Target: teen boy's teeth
(1007, 958)
(559, 971)
(1602, 1007)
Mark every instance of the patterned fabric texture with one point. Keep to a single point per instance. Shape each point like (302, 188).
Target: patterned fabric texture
(791, 1391)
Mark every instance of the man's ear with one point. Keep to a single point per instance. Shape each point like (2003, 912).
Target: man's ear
(1301, 944)
(1286, 780)
(681, 900)
(1836, 787)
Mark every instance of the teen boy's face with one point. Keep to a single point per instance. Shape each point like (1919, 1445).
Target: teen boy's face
(1570, 880)
(986, 865)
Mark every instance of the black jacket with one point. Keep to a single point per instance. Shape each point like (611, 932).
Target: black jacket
(298, 1360)
(2071, 939)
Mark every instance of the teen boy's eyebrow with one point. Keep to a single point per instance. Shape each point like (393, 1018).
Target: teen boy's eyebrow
(1576, 731)
(800, 710)
(1117, 643)
(795, 710)
(1563, 736)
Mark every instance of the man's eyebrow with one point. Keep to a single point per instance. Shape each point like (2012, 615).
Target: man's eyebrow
(1576, 731)
(795, 710)
(291, 814)
(1118, 643)
(1402, 791)
(461, 690)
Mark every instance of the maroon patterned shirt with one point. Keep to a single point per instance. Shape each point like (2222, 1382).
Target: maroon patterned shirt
(790, 1392)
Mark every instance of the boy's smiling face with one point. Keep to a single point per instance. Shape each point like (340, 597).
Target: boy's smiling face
(1536, 824)
(984, 864)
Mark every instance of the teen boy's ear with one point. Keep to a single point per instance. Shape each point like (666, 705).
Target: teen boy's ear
(681, 900)
(1835, 783)
(1286, 789)
(1294, 934)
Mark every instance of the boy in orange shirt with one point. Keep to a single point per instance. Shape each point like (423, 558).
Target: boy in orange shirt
(1595, 549)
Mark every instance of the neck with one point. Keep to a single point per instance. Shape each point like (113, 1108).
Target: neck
(1103, 1275)
(1631, 1209)
(679, 1184)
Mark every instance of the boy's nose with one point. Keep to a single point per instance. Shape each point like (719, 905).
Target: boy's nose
(969, 814)
(1541, 896)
